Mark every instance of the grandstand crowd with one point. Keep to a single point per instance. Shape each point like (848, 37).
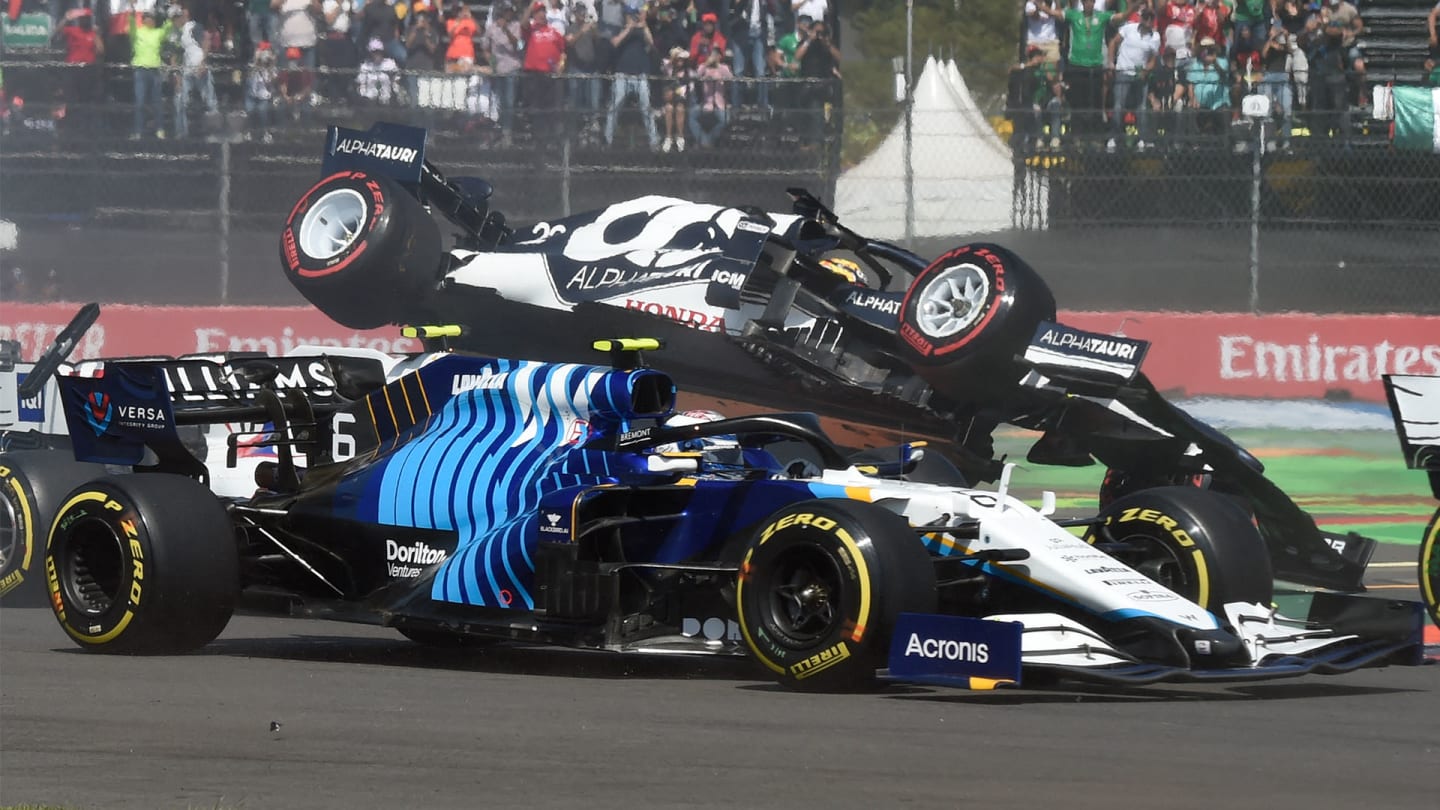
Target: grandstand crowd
(1145, 73)
(509, 68)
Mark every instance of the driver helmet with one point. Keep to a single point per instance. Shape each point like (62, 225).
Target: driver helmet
(706, 444)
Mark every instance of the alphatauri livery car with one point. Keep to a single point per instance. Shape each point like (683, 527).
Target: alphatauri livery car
(1415, 404)
(786, 311)
(464, 498)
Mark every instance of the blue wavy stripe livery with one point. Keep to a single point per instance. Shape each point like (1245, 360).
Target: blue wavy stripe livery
(481, 467)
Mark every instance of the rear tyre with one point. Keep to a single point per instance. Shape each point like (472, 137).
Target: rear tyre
(1195, 542)
(968, 314)
(143, 563)
(361, 249)
(1430, 568)
(32, 482)
(820, 589)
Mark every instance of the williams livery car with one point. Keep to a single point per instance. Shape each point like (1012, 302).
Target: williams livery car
(461, 498)
(788, 311)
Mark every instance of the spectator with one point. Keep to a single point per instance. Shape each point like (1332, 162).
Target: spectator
(1344, 16)
(260, 90)
(816, 10)
(1295, 17)
(785, 66)
(1275, 56)
(544, 62)
(557, 17)
(1177, 30)
(423, 53)
(1247, 62)
(1211, 21)
(194, 75)
(1133, 52)
(1328, 92)
(669, 30)
(298, 33)
(820, 62)
(296, 83)
(335, 49)
(502, 51)
(1037, 99)
(1041, 32)
(711, 80)
(1085, 64)
(611, 16)
(147, 36)
(83, 51)
(1166, 93)
(584, 48)
(1432, 60)
(1251, 22)
(380, 19)
(376, 80)
(673, 98)
(461, 29)
(633, 48)
(706, 39)
(751, 34)
(1208, 80)
(264, 24)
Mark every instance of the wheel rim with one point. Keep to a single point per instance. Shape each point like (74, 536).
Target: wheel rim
(953, 300)
(333, 224)
(803, 595)
(1154, 559)
(10, 550)
(94, 567)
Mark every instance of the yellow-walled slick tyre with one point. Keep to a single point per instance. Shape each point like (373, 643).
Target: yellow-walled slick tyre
(32, 482)
(1430, 568)
(821, 586)
(1198, 543)
(143, 563)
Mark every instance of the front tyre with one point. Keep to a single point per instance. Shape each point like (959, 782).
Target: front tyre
(1430, 568)
(820, 589)
(1198, 543)
(968, 314)
(143, 563)
(361, 249)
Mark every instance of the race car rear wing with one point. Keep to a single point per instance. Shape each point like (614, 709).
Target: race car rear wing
(1103, 372)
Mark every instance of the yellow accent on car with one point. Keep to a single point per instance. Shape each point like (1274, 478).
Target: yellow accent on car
(436, 331)
(627, 345)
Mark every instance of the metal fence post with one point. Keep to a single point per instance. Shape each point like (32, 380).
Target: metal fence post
(225, 221)
(1255, 217)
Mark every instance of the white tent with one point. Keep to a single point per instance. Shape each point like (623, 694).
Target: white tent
(963, 173)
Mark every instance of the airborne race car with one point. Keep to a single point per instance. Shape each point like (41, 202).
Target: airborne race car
(462, 498)
(787, 311)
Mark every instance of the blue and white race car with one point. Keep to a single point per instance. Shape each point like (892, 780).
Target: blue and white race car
(462, 498)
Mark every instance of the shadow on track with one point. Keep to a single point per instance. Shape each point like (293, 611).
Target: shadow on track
(499, 658)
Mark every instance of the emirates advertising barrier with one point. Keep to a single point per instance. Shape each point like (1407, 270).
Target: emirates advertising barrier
(1288, 356)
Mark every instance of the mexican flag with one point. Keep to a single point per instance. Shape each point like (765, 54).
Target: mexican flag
(1417, 118)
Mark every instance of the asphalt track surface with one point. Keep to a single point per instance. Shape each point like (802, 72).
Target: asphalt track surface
(370, 720)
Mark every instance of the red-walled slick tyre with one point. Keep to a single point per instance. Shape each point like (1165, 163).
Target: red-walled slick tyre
(362, 250)
(968, 314)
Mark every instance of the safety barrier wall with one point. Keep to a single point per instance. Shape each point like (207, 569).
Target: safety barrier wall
(1191, 354)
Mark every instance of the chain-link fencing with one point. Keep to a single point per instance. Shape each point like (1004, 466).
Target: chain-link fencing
(1212, 220)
